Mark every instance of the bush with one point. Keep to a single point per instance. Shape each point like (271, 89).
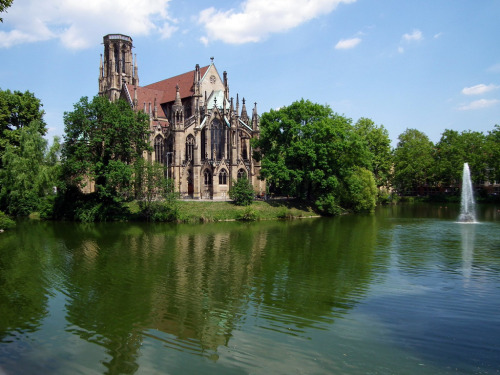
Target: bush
(6, 222)
(248, 214)
(241, 192)
(328, 205)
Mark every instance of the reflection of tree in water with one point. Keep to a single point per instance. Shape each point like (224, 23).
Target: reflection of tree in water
(321, 269)
(188, 287)
(24, 282)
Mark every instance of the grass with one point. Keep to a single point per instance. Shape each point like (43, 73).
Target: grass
(212, 211)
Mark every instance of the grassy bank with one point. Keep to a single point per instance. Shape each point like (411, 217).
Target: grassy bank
(211, 211)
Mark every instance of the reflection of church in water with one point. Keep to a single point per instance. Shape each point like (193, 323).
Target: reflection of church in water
(197, 131)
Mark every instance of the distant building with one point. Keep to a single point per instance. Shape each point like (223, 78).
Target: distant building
(197, 131)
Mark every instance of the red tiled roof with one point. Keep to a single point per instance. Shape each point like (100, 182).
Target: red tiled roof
(167, 88)
(145, 95)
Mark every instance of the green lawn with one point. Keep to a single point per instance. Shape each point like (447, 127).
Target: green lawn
(210, 211)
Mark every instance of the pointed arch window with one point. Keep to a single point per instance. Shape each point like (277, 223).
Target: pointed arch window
(207, 177)
(241, 174)
(190, 148)
(223, 177)
(159, 149)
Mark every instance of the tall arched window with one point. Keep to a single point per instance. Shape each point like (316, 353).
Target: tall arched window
(207, 177)
(242, 174)
(223, 177)
(190, 148)
(159, 149)
(218, 139)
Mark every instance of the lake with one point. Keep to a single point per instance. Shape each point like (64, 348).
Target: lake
(406, 290)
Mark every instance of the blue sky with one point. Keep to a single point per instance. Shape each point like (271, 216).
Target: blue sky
(425, 64)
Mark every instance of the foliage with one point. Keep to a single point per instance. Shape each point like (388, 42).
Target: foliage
(6, 222)
(156, 195)
(413, 161)
(361, 191)
(18, 110)
(248, 214)
(379, 144)
(102, 141)
(493, 151)
(30, 171)
(453, 150)
(241, 192)
(308, 151)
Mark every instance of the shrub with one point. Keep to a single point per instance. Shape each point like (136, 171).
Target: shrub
(6, 222)
(248, 214)
(241, 192)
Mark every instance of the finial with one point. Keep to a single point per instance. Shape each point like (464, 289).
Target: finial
(212, 60)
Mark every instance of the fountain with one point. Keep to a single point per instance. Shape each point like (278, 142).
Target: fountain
(467, 204)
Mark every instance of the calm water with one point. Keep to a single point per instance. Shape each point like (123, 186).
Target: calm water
(405, 291)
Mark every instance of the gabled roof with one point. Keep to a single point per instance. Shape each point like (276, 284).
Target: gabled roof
(167, 87)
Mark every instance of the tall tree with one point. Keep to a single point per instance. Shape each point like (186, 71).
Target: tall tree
(493, 152)
(453, 150)
(17, 110)
(309, 151)
(30, 171)
(413, 161)
(101, 142)
(379, 144)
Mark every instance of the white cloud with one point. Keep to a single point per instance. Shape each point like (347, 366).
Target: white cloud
(259, 18)
(494, 68)
(415, 36)
(479, 89)
(479, 104)
(347, 43)
(81, 23)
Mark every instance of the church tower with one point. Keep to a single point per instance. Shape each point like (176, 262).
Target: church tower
(117, 66)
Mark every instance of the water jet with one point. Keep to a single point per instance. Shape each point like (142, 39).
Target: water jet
(467, 204)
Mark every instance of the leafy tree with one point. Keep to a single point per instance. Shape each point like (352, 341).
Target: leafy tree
(155, 193)
(17, 110)
(413, 161)
(309, 151)
(30, 171)
(454, 149)
(241, 192)
(4, 4)
(361, 190)
(379, 144)
(102, 141)
(493, 152)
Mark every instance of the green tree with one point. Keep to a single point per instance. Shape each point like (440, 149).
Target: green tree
(493, 152)
(241, 192)
(102, 141)
(155, 193)
(30, 171)
(308, 151)
(17, 110)
(453, 150)
(361, 190)
(4, 4)
(379, 144)
(413, 161)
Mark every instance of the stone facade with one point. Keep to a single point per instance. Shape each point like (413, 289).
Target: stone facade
(196, 130)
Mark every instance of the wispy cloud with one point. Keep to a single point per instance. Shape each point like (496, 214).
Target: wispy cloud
(260, 18)
(79, 24)
(347, 43)
(415, 36)
(479, 89)
(494, 68)
(479, 104)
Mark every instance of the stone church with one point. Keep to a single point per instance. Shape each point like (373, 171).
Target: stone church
(197, 131)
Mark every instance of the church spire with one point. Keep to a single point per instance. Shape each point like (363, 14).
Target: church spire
(244, 114)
